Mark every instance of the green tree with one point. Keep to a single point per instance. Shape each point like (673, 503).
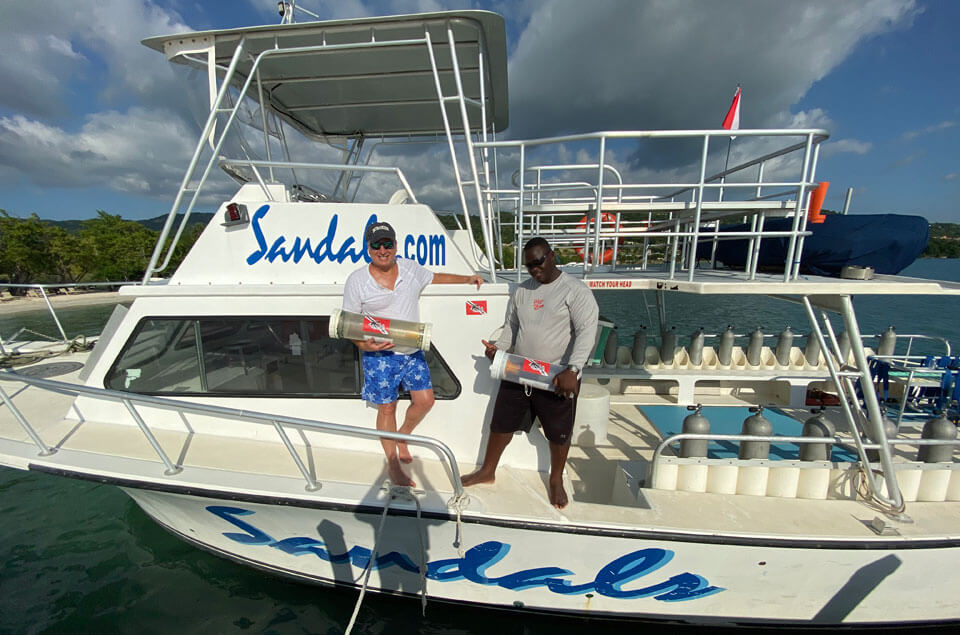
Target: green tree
(72, 255)
(24, 249)
(121, 248)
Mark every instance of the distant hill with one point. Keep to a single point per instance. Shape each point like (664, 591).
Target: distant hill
(156, 224)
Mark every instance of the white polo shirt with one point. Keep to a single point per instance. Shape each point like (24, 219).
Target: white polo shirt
(363, 294)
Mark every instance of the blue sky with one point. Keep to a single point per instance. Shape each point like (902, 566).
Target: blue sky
(90, 119)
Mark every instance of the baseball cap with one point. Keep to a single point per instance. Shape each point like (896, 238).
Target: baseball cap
(378, 231)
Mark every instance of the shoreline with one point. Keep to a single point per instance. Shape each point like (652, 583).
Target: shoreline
(22, 304)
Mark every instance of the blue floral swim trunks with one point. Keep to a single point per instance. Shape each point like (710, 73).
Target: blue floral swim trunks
(384, 371)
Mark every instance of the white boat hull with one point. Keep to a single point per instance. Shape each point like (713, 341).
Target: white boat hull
(565, 569)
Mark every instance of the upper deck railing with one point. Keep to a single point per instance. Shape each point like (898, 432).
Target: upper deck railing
(682, 207)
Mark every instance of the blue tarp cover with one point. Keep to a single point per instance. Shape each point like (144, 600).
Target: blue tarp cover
(886, 242)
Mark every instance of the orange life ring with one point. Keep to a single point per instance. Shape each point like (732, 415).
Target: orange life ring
(606, 217)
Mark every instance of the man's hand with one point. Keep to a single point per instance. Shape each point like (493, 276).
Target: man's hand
(371, 345)
(565, 384)
(477, 280)
(491, 349)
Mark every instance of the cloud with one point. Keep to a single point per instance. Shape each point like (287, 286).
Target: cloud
(913, 134)
(141, 151)
(85, 104)
(907, 160)
(952, 176)
(41, 60)
(841, 146)
(621, 64)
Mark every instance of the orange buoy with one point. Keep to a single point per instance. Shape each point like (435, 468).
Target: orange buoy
(816, 202)
(607, 255)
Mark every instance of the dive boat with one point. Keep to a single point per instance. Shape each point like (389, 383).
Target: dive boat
(219, 402)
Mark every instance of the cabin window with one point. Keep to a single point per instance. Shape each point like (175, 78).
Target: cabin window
(264, 357)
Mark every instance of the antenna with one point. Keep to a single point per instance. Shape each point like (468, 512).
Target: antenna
(287, 12)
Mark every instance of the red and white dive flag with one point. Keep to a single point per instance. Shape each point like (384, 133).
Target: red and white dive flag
(732, 120)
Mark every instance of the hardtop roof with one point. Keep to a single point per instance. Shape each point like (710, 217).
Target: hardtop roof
(365, 76)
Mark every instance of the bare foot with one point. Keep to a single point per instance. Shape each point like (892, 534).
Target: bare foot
(558, 496)
(476, 478)
(404, 452)
(397, 477)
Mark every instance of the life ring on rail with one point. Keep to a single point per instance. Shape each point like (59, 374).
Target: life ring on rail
(605, 217)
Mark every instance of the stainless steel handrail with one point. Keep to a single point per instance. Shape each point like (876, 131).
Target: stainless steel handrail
(57, 285)
(274, 420)
(688, 228)
(338, 167)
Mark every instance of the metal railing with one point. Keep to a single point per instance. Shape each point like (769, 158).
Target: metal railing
(42, 289)
(687, 222)
(335, 167)
(278, 422)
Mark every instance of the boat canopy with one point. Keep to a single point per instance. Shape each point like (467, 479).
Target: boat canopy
(363, 77)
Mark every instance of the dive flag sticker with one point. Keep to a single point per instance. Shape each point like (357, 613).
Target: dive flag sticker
(376, 325)
(536, 367)
(476, 307)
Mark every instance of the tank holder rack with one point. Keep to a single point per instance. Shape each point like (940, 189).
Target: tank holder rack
(928, 482)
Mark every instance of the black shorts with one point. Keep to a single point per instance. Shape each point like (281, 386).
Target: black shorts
(512, 406)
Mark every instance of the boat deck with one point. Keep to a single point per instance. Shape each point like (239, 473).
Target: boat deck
(601, 494)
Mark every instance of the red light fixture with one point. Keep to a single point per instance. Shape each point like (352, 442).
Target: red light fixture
(235, 214)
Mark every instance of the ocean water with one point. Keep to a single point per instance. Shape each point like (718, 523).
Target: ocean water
(82, 557)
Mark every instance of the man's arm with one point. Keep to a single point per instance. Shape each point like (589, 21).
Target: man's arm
(453, 278)
(584, 313)
(583, 316)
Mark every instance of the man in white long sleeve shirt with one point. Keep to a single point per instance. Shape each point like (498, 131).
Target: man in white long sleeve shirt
(551, 317)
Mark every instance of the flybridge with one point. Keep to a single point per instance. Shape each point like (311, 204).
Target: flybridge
(389, 77)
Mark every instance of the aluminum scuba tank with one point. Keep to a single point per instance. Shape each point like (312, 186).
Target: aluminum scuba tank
(888, 342)
(939, 428)
(784, 344)
(812, 350)
(757, 425)
(695, 350)
(755, 347)
(843, 342)
(725, 351)
(817, 426)
(668, 345)
(610, 350)
(694, 423)
(639, 352)
(889, 431)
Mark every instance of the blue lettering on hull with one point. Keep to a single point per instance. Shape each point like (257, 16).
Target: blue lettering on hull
(425, 249)
(609, 581)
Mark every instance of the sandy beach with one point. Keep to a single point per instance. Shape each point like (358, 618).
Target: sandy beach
(22, 304)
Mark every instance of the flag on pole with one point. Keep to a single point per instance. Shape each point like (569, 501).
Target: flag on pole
(732, 120)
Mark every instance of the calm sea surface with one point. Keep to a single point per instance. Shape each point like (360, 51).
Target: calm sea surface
(80, 557)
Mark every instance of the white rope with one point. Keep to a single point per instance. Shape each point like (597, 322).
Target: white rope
(395, 492)
(373, 557)
(459, 503)
(423, 554)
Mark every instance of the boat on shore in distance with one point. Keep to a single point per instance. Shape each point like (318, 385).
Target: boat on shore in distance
(219, 402)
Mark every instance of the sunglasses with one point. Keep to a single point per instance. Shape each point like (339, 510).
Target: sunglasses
(382, 244)
(536, 263)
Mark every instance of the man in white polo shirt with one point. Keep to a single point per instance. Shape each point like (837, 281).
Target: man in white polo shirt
(390, 287)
